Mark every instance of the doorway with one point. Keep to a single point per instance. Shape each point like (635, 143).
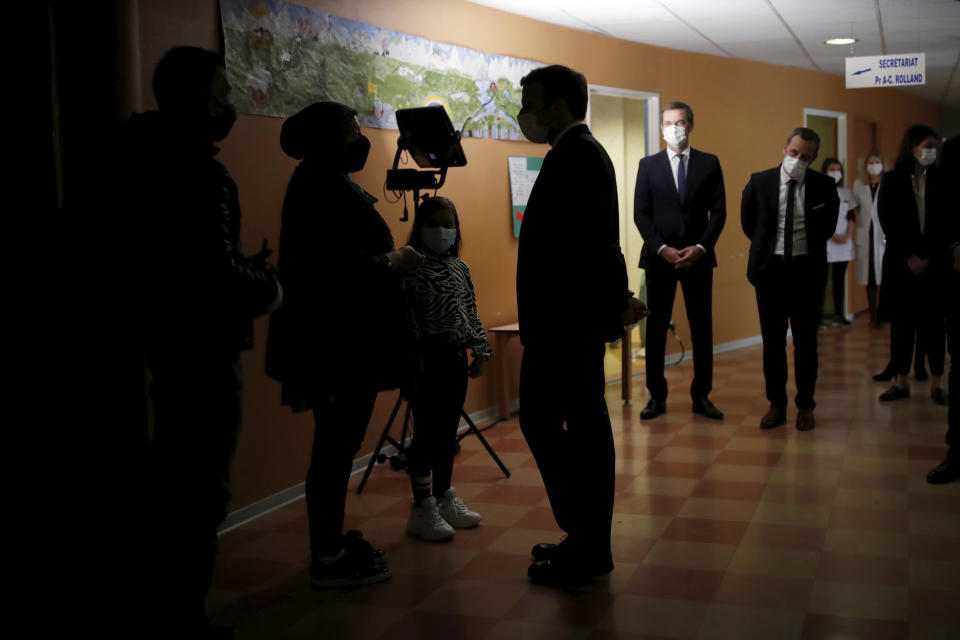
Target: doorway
(831, 126)
(621, 121)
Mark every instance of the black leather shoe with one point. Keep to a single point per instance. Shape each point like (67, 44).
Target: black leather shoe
(555, 573)
(704, 407)
(886, 375)
(944, 472)
(939, 396)
(653, 409)
(774, 417)
(805, 421)
(895, 393)
(545, 551)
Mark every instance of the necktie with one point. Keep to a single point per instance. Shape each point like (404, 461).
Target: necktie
(681, 177)
(788, 225)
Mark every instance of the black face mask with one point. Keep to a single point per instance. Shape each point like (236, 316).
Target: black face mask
(219, 126)
(355, 155)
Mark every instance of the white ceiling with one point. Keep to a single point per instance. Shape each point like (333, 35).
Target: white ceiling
(787, 32)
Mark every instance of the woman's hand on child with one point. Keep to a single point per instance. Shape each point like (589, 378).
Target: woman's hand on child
(406, 258)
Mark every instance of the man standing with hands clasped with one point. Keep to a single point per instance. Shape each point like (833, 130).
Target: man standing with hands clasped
(789, 212)
(679, 208)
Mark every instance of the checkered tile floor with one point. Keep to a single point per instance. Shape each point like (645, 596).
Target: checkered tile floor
(721, 530)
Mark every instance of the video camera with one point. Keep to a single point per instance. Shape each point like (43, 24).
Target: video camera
(427, 134)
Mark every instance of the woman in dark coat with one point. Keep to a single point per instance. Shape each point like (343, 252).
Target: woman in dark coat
(912, 296)
(343, 335)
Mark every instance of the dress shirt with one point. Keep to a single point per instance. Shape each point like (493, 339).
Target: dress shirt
(799, 221)
(675, 160)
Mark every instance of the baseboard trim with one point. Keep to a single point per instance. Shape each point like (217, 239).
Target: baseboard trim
(282, 498)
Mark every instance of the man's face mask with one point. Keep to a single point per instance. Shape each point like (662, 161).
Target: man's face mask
(219, 126)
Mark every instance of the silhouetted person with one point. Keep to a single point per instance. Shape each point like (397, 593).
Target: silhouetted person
(198, 294)
(788, 213)
(342, 334)
(572, 297)
(680, 208)
(914, 222)
(949, 469)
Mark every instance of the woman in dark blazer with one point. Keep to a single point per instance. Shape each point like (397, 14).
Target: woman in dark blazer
(343, 335)
(912, 217)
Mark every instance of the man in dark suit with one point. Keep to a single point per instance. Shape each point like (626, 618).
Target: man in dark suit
(789, 212)
(572, 297)
(949, 469)
(680, 208)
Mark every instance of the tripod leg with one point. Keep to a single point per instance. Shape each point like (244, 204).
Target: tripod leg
(376, 452)
(486, 445)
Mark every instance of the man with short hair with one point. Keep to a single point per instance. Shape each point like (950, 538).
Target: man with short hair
(788, 213)
(680, 208)
(572, 297)
(196, 296)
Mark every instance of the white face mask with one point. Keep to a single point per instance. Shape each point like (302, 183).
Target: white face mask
(675, 135)
(532, 130)
(795, 167)
(927, 157)
(875, 168)
(836, 175)
(438, 239)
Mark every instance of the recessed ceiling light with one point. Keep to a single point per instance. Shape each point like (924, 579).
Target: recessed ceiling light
(840, 41)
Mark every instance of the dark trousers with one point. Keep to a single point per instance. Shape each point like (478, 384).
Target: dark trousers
(953, 340)
(197, 403)
(563, 416)
(917, 314)
(791, 291)
(697, 284)
(340, 423)
(436, 412)
(839, 273)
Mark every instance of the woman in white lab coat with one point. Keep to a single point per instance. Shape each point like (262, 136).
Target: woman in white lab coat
(869, 236)
(840, 246)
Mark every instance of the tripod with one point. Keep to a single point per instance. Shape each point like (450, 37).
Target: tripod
(399, 461)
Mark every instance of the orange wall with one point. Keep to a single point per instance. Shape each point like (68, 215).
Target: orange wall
(743, 112)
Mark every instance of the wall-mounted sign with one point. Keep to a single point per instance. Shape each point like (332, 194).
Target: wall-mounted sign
(895, 70)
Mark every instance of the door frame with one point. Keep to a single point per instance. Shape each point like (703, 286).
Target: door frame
(651, 104)
(841, 117)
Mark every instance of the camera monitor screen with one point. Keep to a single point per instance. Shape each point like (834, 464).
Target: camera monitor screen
(429, 136)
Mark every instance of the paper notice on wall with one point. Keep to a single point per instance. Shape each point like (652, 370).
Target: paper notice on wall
(523, 173)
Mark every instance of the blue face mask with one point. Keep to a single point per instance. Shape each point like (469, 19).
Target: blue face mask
(438, 239)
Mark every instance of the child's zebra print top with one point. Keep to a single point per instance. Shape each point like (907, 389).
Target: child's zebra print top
(441, 294)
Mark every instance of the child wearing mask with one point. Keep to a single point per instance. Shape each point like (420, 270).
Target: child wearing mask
(442, 296)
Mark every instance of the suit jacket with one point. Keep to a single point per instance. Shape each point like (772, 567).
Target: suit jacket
(760, 207)
(900, 220)
(663, 217)
(571, 275)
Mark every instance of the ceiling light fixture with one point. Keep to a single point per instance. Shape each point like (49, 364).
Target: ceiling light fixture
(840, 41)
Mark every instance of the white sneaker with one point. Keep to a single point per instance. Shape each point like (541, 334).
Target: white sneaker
(456, 513)
(426, 522)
